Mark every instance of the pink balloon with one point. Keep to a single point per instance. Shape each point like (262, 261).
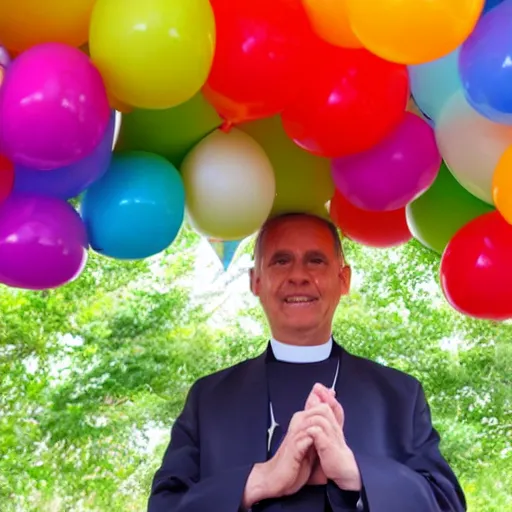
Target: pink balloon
(394, 172)
(43, 242)
(54, 108)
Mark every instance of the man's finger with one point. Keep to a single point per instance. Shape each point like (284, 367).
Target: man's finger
(313, 400)
(320, 438)
(328, 396)
(323, 409)
(337, 410)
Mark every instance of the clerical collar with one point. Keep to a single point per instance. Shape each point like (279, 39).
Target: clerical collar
(296, 354)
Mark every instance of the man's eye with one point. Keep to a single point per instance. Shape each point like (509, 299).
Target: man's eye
(317, 261)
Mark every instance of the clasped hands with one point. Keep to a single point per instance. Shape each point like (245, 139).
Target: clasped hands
(313, 451)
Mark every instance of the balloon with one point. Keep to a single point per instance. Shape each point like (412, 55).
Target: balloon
(171, 133)
(486, 65)
(373, 229)
(262, 46)
(30, 22)
(491, 4)
(442, 210)
(502, 185)
(225, 250)
(433, 83)
(153, 54)
(329, 19)
(476, 275)
(350, 102)
(303, 181)
(6, 177)
(471, 145)
(53, 106)
(43, 242)
(229, 184)
(136, 209)
(394, 172)
(71, 180)
(413, 32)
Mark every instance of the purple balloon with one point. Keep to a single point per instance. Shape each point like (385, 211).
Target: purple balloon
(43, 242)
(394, 172)
(53, 107)
(71, 180)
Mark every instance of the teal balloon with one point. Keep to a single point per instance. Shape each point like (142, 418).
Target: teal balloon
(442, 210)
(433, 83)
(170, 133)
(136, 209)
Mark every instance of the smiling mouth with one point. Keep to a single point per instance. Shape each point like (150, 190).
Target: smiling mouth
(300, 300)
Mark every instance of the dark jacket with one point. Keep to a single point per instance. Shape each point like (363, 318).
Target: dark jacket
(222, 432)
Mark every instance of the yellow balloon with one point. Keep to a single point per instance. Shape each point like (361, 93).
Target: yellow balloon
(26, 23)
(229, 185)
(153, 54)
(413, 31)
(303, 181)
(329, 19)
(502, 185)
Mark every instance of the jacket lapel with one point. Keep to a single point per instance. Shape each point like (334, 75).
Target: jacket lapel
(350, 398)
(244, 398)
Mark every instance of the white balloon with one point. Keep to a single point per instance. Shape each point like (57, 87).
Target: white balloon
(230, 185)
(471, 145)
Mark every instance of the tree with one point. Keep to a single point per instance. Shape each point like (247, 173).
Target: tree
(94, 373)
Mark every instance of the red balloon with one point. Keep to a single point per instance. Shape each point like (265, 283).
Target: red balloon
(349, 102)
(476, 268)
(261, 47)
(6, 177)
(374, 229)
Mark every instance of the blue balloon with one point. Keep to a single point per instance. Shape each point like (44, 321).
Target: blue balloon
(491, 4)
(136, 209)
(433, 83)
(486, 65)
(71, 180)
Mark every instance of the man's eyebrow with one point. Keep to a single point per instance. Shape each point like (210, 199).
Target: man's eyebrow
(280, 254)
(316, 253)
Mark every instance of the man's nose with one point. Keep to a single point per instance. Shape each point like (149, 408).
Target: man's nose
(298, 275)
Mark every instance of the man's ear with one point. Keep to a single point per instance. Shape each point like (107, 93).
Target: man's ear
(254, 282)
(346, 278)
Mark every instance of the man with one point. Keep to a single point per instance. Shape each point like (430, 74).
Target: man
(305, 426)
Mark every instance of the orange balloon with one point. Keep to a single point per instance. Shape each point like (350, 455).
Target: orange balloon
(25, 23)
(329, 19)
(413, 31)
(502, 185)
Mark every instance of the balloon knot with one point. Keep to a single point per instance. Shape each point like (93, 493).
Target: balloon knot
(226, 126)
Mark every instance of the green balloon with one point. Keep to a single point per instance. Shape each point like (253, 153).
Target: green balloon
(303, 181)
(442, 210)
(170, 133)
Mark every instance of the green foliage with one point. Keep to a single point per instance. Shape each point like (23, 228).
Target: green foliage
(93, 374)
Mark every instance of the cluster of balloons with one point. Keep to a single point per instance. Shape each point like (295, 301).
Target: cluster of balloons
(396, 115)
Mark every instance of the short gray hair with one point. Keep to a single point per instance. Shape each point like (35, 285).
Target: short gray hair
(272, 221)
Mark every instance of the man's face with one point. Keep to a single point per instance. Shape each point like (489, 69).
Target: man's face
(299, 278)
